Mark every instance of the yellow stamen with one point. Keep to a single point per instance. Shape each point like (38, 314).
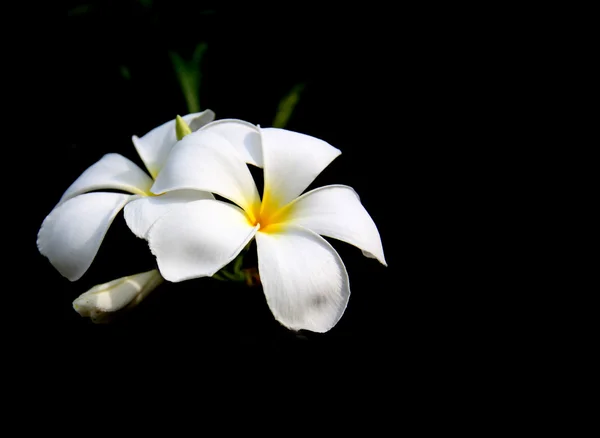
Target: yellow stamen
(268, 213)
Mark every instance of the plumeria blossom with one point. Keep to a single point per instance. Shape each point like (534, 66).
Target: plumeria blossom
(71, 234)
(304, 280)
(101, 302)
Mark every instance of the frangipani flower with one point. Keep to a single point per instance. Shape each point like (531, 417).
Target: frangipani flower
(71, 234)
(304, 280)
(104, 300)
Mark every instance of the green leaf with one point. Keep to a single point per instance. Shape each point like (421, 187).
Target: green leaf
(189, 76)
(125, 73)
(286, 106)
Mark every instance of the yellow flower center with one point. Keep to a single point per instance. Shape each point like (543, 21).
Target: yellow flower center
(268, 213)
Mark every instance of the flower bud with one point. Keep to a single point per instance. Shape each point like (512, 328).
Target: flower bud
(102, 301)
(181, 128)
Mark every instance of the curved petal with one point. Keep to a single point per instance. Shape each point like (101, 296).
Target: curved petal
(71, 234)
(244, 136)
(336, 211)
(291, 162)
(154, 147)
(304, 279)
(197, 120)
(198, 238)
(112, 171)
(206, 161)
(142, 213)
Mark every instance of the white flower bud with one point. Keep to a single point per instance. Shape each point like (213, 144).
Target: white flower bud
(103, 300)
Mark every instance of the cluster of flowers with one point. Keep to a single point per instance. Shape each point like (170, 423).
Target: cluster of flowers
(192, 234)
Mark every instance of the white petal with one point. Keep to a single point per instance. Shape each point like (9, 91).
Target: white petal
(71, 234)
(244, 136)
(154, 147)
(206, 161)
(291, 162)
(117, 294)
(112, 171)
(142, 213)
(197, 120)
(336, 211)
(303, 278)
(198, 238)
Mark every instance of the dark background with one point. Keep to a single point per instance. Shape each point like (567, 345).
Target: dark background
(377, 85)
(437, 111)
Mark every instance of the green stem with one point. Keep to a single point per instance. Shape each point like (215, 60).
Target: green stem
(233, 271)
(219, 277)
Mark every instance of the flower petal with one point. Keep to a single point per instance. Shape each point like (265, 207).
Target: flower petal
(112, 171)
(291, 162)
(206, 161)
(154, 147)
(336, 211)
(244, 136)
(71, 234)
(304, 279)
(198, 238)
(142, 213)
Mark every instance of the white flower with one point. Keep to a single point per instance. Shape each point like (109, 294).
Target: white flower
(71, 234)
(304, 280)
(103, 300)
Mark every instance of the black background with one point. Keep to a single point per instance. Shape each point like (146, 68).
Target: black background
(437, 111)
(380, 86)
